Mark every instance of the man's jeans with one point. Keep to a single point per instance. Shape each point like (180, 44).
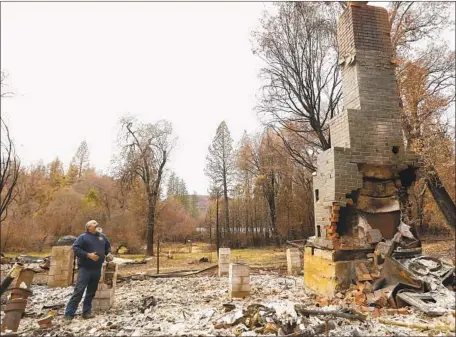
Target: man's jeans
(87, 278)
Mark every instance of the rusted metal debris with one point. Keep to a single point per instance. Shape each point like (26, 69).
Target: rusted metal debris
(393, 272)
(424, 302)
(15, 307)
(400, 276)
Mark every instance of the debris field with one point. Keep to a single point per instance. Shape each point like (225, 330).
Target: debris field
(200, 306)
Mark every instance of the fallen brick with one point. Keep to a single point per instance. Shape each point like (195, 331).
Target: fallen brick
(374, 236)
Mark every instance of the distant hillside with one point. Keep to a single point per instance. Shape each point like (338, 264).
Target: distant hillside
(202, 202)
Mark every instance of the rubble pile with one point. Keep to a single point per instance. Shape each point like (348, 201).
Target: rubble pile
(200, 306)
(400, 276)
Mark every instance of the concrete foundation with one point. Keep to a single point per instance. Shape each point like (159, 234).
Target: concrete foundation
(294, 265)
(104, 297)
(239, 278)
(326, 276)
(224, 260)
(61, 269)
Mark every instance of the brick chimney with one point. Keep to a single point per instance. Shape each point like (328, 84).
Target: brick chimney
(360, 185)
(358, 180)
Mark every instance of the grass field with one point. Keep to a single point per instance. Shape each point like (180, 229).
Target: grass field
(175, 257)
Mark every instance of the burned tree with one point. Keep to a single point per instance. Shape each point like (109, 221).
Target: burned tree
(145, 150)
(220, 165)
(261, 158)
(9, 171)
(413, 23)
(81, 159)
(214, 193)
(426, 81)
(302, 82)
(9, 164)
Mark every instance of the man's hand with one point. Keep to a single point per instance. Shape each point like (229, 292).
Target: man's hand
(109, 257)
(93, 256)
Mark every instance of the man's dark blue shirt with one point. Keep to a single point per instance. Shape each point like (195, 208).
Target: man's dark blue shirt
(91, 243)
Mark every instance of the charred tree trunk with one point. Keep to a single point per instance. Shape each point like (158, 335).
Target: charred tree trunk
(227, 216)
(443, 200)
(270, 197)
(210, 228)
(217, 230)
(150, 226)
(9, 171)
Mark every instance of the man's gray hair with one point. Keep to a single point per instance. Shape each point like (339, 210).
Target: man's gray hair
(90, 223)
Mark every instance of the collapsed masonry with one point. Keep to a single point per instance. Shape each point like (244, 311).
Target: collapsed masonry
(361, 182)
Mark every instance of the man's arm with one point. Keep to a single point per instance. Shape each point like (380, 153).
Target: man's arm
(77, 247)
(107, 246)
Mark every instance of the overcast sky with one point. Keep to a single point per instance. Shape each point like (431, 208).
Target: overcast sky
(77, 67)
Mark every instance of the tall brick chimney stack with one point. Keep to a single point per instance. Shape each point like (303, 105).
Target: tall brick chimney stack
(360, 181)
(364, 42)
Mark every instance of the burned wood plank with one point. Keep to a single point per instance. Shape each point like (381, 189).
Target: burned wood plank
(345, 313)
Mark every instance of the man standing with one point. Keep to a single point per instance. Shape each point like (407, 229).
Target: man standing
(91, 248)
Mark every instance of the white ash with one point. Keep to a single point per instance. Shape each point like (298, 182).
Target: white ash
(191, 307)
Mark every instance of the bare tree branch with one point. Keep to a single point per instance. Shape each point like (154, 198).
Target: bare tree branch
(145, 150)
(9, 171)
(302, 80)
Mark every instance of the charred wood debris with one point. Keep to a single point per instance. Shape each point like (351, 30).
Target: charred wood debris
(404, 293)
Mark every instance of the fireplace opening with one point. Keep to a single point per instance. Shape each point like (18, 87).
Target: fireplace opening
(408, 176)
(347, 218)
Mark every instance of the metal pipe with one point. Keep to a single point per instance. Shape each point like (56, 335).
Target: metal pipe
(15, 307)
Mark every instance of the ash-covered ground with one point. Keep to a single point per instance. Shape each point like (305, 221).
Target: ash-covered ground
(196, 306)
